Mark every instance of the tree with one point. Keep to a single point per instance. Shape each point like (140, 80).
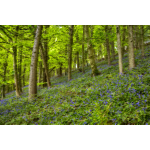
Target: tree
(70, 51)
(45, 66)
(123, 40)
(107, 43)
(15, 63)
(33, 67)
(142, 39)
(83, 62)
(131, 48)
(119, 50)
(95, 71)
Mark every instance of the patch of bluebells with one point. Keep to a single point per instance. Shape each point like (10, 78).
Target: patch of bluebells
(121, 93)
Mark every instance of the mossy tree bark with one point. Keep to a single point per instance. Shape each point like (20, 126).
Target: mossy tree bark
(95, 71)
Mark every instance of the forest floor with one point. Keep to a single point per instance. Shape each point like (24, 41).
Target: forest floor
(106, 99)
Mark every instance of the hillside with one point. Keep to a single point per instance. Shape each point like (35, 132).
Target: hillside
(106, 99)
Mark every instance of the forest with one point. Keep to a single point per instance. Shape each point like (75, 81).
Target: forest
(74, 74)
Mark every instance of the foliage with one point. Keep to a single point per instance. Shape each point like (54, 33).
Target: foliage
(107, 99)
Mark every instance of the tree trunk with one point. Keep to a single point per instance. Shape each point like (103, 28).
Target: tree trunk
(45, 54)
(15, 64)
(40, 72)
(119, 50)
(45, 66)
(33, 67)
(77, 60)
(83, 62)
(4, 78)
(91, 53)
(139, 37)
(74, 66)
(24, 74)
(112, 50)
(136, 37)
(131, 48)
(60, 69)
(77, 53)
(142, 40)
(123, 40)
(20, 69)
(70, 51)
(92, 29)
(107, 44)
(44, 78)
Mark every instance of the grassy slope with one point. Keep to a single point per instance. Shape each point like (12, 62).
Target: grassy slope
(105, 99)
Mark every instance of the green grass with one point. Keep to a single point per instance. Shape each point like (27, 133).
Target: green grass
(105, 99)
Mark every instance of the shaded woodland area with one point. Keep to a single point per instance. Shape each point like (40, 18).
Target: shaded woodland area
(75, 74)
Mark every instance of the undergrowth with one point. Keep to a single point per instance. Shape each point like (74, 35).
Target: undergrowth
(106, 99)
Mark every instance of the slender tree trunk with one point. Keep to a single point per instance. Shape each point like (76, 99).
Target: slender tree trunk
(45, 66)
(86, 58)
(4, 78)
(66, 53)
(83, 62)
(91, 52)
(44, 78)
(105, 49)
(131, 48)
(139, 37)
(123, 40)
(15, 69)
(33, 67)
(92, 29)
(60, 69)
(45, 52)
(20, 69)
(77, 60)
(119, 50)
(15, 64)
(113, 50)
(77, 53)
(107, 43)
(40, 72)
(75, 63)
(142, 39)
(136, 38)
(70, 51)
(43, 69)
(24, 74)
